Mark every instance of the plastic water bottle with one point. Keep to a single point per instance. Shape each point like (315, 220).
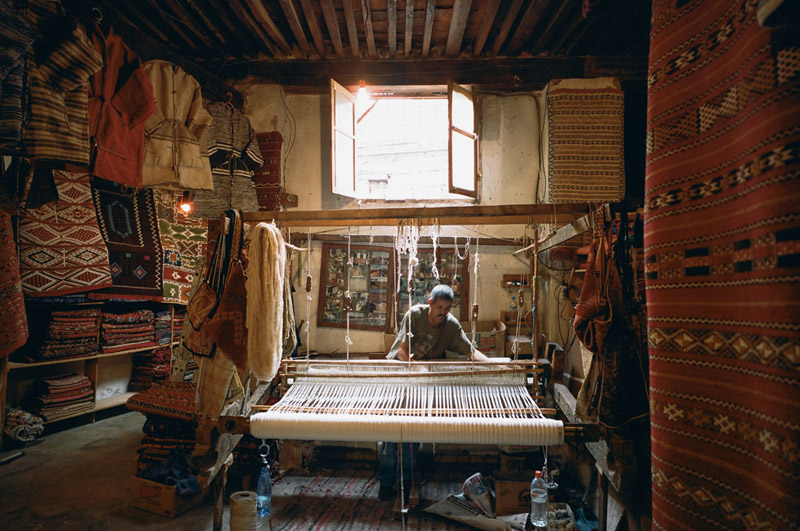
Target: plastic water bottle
(538, 501)
(264, 492)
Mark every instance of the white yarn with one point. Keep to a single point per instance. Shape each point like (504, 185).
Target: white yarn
(243, 511)
(265, 277)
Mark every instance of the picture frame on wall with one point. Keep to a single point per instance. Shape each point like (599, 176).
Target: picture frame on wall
(452, 271)
(370, 273)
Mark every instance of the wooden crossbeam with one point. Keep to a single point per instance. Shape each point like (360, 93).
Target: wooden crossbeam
(526, 25)
(370, 34)
(489, 13)
(313, 26)
(409, 27)
(391, 16)
(253, 26)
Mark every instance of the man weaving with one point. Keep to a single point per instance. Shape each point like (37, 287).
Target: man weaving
(433, 331)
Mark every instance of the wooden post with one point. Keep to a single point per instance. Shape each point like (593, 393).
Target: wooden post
(218, 488)
(602, 512)
(535, 288)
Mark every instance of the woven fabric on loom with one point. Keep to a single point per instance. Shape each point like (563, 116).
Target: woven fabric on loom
(586, 156)
(60, 246)
(722, 252)
(183, 240)
(14, 332)
(130, 229)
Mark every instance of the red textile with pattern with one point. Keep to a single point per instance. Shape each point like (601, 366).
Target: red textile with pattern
(267, 179)
(722, 252)
(14, 332)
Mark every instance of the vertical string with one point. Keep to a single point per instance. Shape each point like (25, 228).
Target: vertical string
(347, 339)
(308, 297)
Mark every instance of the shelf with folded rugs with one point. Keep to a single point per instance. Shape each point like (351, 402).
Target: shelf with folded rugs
(87, 357)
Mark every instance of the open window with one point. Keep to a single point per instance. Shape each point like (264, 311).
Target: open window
(403, 143)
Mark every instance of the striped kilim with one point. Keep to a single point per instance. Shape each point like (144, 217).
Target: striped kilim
(61, 249)
(722, 262)
(586, 156)
(183, 241)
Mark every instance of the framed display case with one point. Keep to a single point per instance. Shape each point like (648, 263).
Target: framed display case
(452, 272)
(371, 286)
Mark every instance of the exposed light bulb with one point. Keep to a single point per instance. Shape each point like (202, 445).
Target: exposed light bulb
(186, 208)
(185, 204)
(362, 91)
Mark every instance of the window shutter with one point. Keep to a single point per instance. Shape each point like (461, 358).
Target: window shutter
(463, 142)
(343, 141)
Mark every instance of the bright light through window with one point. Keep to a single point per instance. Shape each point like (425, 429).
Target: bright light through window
(401, 149)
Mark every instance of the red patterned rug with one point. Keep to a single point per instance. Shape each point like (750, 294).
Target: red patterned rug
(722, 244)
(183, 240)
(268, 177)
(60, 246)
(14, 332)
(586, 158)
(130, 229)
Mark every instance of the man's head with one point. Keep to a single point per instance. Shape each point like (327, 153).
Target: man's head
(440, 301)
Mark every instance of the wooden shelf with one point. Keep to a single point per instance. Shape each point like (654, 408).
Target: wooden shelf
(103, 403)
(18, 365)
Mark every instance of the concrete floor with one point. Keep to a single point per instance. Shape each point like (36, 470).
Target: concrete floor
(79, 478)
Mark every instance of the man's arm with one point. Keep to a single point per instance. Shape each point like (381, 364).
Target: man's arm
(477, 355)
(402, 351)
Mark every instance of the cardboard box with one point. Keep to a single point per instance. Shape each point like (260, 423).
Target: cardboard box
(162, 499)
(490, 336)
(525, 346)
(512, 492)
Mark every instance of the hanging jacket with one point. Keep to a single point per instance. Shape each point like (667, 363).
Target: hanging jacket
(175, 134)
(16, 37)
(232, 145)
(120, 100)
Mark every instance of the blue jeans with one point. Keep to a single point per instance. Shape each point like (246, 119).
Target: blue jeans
(387, 470)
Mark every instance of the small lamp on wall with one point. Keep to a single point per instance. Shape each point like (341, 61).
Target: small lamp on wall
(186, 203)
(362, 91)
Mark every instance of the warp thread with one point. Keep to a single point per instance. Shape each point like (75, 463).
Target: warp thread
(243, 511)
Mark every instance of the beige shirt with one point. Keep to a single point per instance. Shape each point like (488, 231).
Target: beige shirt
(429, 342)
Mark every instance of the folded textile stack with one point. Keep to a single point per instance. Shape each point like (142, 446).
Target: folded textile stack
(163, 327)
(71, 333)
(125, 331)
(62, 396)
(177, 323)
(23, 426)
(149, 367)
(163, 440)
(172, 399)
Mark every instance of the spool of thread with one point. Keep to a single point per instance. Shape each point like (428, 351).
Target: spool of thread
(243, 511)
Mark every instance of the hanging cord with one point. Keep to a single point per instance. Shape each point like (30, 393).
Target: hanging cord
(435, 230)
(474, 316)
(308, 297)
(515, 344)
(348, 300)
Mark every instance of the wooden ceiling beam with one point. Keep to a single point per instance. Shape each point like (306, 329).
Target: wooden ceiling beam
(530, 73)
(505, 27)
(430, 12)
(264, 18)
(313, 26)
(201, 15)
(556, 24)
(352, 32)
(179, 12)
(409, 27)
(391, 16)
(368, 30)
(526, 25)
(253, 26)
(487, 20)
(221, 12)
(294, 22)
(458, 23)
(329, 13)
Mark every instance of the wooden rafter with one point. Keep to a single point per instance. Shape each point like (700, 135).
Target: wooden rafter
(294, 22)
(253, 26)
(430, 11)
(489, 12)
(573, 30)
(329, 13)
(313, 26)
(409, 27)
(505, 27)
(554, 23)
(370, 34)
(221, 12)
(181, 14)
(526, 25)
(458, 23)
(352, 32)
(201, 15)
(264, 18)
(391, 16)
